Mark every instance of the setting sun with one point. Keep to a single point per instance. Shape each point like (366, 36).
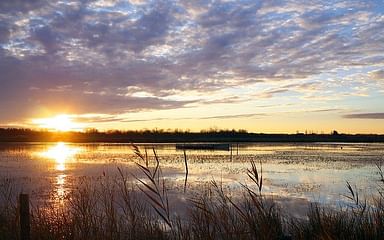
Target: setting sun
(61, 122)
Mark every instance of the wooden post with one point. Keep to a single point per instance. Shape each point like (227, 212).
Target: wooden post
(186, 171)
(25, 226)
(237, 153)
(231, 150)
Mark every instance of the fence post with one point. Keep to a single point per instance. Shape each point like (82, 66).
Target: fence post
(25, 226)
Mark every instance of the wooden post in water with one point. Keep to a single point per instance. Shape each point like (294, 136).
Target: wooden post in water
(25, 225)
(230, 146)
(186, 171)
(237, 149)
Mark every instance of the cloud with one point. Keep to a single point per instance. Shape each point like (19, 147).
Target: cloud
(46, 37)
(102, 118)
(231, 116)
(293, 87)
(365, 115)
(249, 115)
(377, 75)
(96, 118)
(20, 6)
(4, 33)
(104, 49)
(325, 110)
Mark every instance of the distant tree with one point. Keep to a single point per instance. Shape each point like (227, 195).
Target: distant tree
(91, 130)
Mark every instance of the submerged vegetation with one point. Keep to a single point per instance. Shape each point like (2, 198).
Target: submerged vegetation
(140, 207)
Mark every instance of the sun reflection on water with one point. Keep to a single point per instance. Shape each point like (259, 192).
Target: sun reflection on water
(61, 153)
(60, 191)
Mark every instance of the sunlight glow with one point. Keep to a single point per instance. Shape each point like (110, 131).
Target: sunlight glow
(60, 153)
(61, 122)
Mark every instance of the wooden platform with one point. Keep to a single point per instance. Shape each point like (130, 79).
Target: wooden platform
(204, 146)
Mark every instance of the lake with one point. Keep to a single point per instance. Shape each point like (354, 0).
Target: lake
(293, 173)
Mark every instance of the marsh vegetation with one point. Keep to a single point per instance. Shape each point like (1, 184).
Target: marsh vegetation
(149, 204)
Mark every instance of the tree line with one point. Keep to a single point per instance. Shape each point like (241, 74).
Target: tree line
(176, 135)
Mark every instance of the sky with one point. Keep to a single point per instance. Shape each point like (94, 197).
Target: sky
(265, 66)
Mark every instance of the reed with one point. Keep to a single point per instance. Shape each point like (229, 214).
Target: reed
(154, 188)
(9, 218)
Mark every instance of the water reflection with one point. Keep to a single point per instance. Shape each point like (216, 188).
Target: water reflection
(60, 191)
(315, 172)
(61, 152)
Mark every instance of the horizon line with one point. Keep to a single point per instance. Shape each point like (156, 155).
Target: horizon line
(185, 131)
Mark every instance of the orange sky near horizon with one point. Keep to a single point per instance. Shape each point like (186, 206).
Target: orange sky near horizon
(260, 125)
(263, 66)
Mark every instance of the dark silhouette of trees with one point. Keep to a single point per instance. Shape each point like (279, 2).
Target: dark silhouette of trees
(176, 135)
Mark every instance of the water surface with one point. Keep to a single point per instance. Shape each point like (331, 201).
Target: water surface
(293, 173)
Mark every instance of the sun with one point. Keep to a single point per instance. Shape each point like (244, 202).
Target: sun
(62, 123)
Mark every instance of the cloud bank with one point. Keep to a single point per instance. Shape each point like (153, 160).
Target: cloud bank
(365, 115)
(119, 56)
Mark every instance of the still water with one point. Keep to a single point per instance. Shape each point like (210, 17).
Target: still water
(293, 173)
